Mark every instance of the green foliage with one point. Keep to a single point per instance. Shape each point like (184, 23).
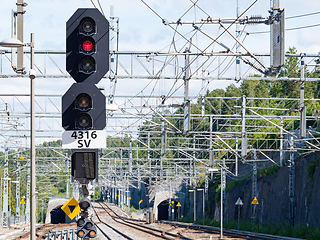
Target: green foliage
(291, 89)
(233, 184)
(97, 193)
(312, 164)
(131, 209)
(268, 171)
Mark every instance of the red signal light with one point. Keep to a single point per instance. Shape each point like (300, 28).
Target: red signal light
(87, 45)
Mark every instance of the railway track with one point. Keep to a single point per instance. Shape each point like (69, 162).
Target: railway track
(229, 232)
(138, 226)
(42, 230)
(180, 229)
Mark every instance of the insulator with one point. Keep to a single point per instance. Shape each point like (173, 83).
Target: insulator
(254, 19)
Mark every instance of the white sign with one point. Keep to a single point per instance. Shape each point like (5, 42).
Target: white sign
(239, 202)
(83, 139)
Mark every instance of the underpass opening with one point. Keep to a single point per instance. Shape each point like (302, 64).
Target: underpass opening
(163, 210)
(57, 215)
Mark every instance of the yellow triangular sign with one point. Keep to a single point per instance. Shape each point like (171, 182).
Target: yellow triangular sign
(22, 201)
(178, 205)
(255, 201)
(71, 208)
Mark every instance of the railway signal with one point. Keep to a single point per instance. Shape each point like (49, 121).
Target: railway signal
(84, 105)
(87, 45)
(86, 228)
(83, 108)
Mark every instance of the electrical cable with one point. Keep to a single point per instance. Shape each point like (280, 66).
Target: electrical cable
(303, 15)
(101, 8)
(194, 3)
(289, 29)
(93, 4)
(192, 61)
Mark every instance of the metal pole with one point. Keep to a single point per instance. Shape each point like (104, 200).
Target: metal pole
(244, 143)
(210, 146)
(20, 12)
(9, 206)
(238, 73)
(1, 219)
(112, 56)
(187, 107)
(163, 145)
(237, 156)
(203, 95)
(238, 215)
(291, 182)
(170, 209)
(149, 159)
(5, 207)
(254, 187)
(221, 205)
(194, 182)
(281, 142)
(33, 148)
(130, 156)
(17, 215)
(203, 207)
(302, 106)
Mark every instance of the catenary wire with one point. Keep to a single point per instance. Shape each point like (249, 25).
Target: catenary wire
(93, 4)
(289, 29)
(193, 60)
(303, 15)
(100, 7)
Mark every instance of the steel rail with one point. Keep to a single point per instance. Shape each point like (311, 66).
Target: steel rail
(149, 230)
(229, 232)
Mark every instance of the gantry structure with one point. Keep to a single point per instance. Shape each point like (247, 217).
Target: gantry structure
(166, 124)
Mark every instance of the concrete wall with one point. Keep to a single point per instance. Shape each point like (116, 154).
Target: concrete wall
(162, 196)
(53, 204)
(273, 195)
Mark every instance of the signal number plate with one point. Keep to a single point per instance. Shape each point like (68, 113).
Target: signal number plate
(84, 139)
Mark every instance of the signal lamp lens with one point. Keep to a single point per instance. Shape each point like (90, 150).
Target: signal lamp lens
(87, 65)
(89, 225)
(87, 45)
(92, 233)
(87, 26)
(81, 222)
(83, 102)
(84, 121)
(84, 205)
(81, 233)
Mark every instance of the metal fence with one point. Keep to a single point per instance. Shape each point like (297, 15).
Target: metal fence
(62, 235)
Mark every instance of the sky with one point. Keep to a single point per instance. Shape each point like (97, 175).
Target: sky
(141, 29)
